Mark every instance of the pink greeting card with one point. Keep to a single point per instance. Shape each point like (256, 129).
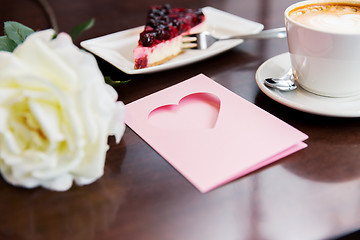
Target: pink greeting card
(210, 134)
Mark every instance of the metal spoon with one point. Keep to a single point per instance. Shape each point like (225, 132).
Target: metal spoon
(284, 83)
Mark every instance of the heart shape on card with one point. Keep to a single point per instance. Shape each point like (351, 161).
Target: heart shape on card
(194, 111)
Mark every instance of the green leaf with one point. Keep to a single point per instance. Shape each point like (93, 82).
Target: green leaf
(78, 29)
(17, 31)
(113, 83)
(6, 44)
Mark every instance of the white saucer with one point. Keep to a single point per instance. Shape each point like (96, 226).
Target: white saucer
(301, 99)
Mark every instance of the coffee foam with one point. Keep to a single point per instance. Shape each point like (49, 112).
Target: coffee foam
(333, 18)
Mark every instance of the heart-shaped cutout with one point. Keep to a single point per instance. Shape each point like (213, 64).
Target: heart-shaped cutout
(194, 111)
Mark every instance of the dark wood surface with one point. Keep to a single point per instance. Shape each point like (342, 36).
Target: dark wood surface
(312, 194)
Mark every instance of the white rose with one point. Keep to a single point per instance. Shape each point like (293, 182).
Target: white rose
(56, 113)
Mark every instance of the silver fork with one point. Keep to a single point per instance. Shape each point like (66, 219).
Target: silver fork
(204, 40)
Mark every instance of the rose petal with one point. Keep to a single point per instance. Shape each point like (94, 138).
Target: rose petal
(44, 61)
(48, 117)
(61, 183)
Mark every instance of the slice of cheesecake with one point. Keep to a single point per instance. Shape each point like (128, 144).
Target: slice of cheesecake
(162, 36)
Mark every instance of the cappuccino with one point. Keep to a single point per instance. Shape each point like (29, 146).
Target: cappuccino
(329, 16)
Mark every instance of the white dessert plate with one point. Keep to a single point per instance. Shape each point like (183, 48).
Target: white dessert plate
(301, 99)
(117, 48)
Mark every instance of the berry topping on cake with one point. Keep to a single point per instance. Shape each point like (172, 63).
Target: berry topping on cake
(163, 24)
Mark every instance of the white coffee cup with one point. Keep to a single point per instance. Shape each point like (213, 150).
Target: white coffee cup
(325, 61)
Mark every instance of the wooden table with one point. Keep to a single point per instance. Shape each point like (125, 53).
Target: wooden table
(312, 194)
